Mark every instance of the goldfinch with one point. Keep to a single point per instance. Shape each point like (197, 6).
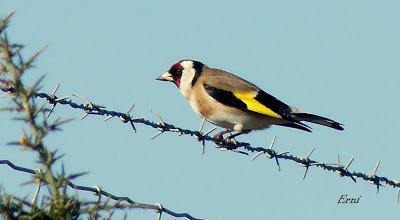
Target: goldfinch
(233, 103)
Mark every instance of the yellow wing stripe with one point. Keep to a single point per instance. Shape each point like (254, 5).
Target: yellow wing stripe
(254, 105)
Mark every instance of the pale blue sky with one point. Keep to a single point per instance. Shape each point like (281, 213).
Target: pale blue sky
(339, 59)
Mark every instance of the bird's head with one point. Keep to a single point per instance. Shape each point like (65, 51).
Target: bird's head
(183, 74)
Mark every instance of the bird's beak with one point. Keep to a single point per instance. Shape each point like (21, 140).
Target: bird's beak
(166, 77)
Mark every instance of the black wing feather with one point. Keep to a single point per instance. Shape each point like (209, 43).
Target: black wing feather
(225, 97)
(274, 104)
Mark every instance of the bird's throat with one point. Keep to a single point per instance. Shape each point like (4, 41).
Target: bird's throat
(177, 81)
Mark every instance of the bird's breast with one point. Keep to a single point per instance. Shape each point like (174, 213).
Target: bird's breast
(202, 104)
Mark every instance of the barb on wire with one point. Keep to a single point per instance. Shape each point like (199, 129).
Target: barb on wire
(342, 168)
(306, 162)
(163, 127)
(375, 181)
(100, 192)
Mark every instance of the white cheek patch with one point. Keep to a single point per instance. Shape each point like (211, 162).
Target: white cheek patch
(186, 81)
(187, 64)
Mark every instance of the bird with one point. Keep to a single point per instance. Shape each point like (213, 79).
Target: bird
(233, 103)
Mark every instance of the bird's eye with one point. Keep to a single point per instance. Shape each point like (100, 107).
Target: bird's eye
(179, 71)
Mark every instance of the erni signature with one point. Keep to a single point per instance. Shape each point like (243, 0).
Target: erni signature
(346, 199)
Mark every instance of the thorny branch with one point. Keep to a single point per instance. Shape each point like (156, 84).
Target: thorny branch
(100, 192)
(57, 204)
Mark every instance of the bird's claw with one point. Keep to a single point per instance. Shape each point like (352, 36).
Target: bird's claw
(224, 142)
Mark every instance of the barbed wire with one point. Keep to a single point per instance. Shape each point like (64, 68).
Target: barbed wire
(100, 192)
(161, 126)
(240, 147)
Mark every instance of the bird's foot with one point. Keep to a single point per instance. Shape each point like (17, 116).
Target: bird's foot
(225, 141)
(220, 135)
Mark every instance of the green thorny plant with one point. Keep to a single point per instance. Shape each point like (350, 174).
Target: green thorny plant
(58, 204)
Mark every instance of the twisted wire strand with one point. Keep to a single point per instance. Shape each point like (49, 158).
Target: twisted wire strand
(98, 191)
(162, 126)
(241, 147)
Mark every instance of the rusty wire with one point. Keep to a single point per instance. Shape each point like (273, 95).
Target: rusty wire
(90, 108)
(100, 192)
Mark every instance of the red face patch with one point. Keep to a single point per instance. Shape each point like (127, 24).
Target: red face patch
(176, 72)
(175, 68)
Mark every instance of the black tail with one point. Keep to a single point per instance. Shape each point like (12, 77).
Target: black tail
(297, 125)
(317, 120)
